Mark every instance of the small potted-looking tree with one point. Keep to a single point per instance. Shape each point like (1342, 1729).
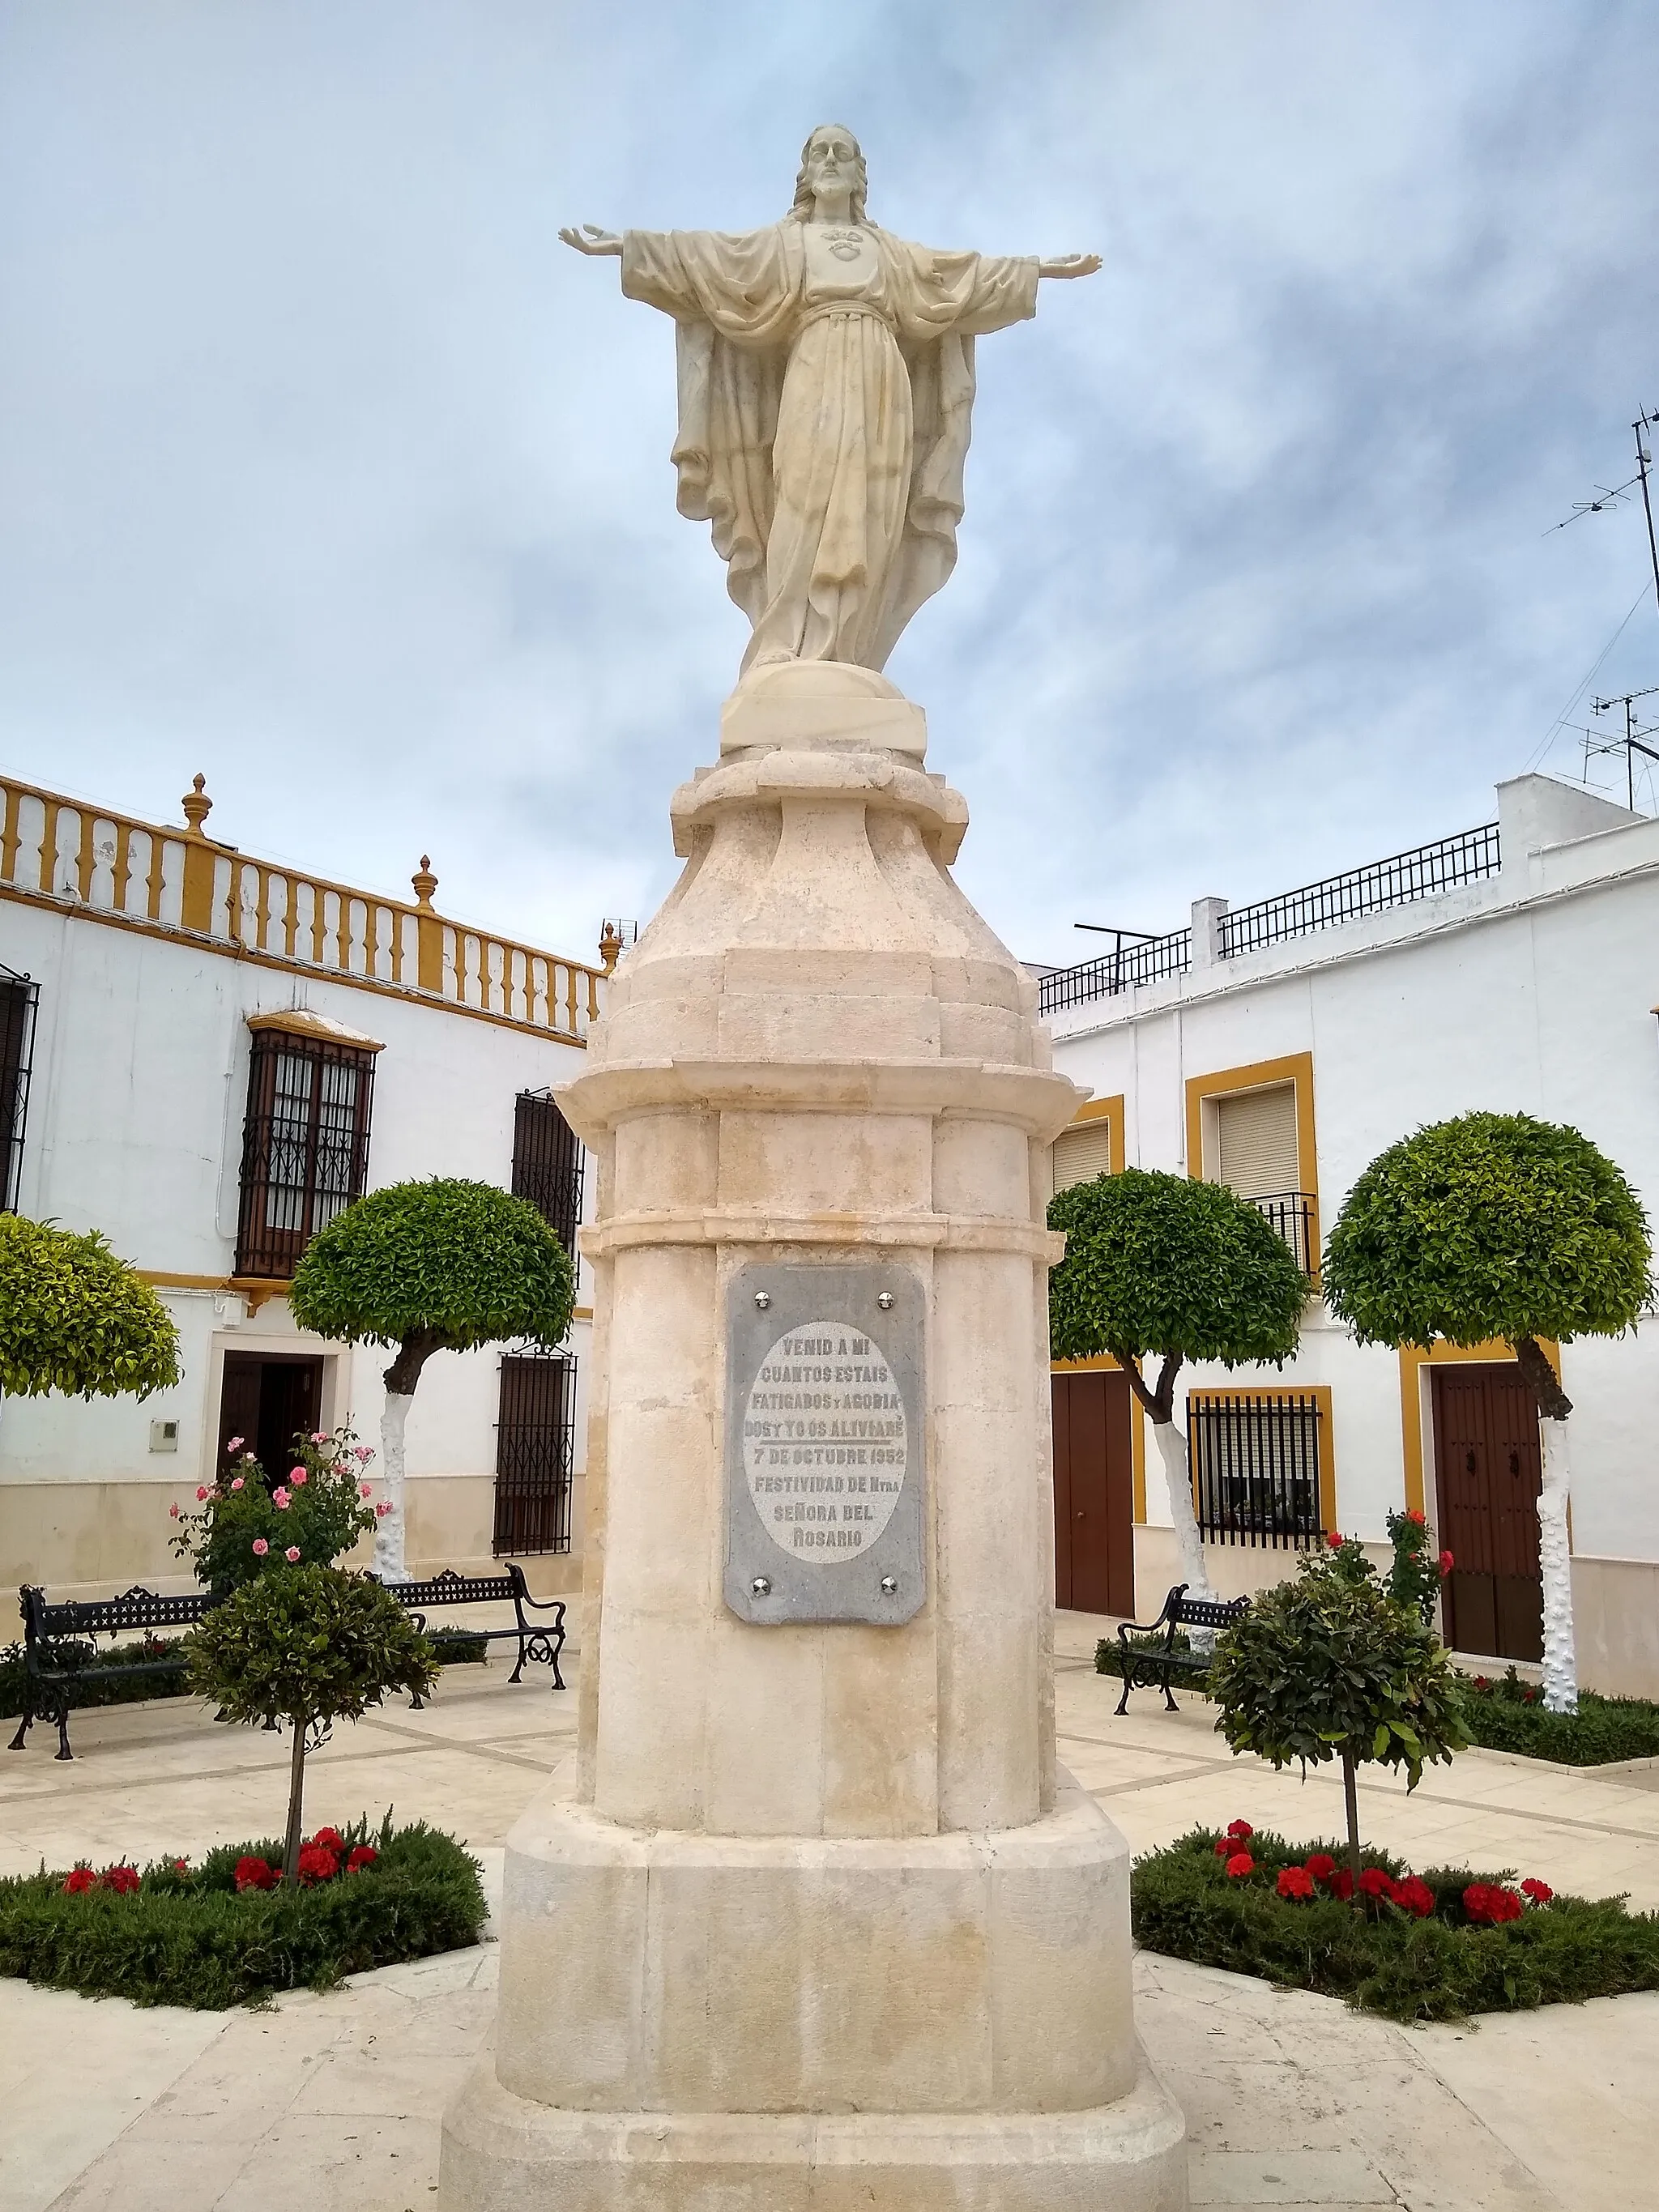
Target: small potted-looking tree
(1499, 1225)
(1161, 1266)
(442, 1265)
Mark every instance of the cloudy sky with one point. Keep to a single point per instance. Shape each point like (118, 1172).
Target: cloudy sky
(325, 469)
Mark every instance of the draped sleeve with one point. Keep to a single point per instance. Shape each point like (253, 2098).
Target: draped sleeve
(742, 284)
(965, 295)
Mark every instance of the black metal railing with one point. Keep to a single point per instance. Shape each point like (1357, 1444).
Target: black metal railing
(1403, 876)
(1468, 858)
(1294, 1214)
(535, 1443)
(1148, 961)
(19, 1000)
(547, 1163)
(1256, 1468)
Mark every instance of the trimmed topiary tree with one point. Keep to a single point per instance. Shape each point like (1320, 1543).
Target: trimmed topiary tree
(308, 1646)
(442, 1265)
(1329, 1666)
(1499, 1226)
(74, 1318)
(1161, 1266)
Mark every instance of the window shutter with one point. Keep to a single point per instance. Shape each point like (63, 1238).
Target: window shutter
(1257, 1151)
(18, 999)
(1081, 1153)
(547, 1164)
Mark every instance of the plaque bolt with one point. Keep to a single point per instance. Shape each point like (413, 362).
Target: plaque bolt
(890, 1585)
(763, 1299)
(885, 1301)
(759, 1587)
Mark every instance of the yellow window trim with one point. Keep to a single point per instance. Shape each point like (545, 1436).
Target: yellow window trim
(1105, 1364)
(1295, 1068)
(1109, 1110)
(1321, 1393)
(1415, 1412)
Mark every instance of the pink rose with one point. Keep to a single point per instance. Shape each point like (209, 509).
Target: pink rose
(300, 1477)
(364, 1490)
(260, 1547)
(320, 1436)
(362, 1455)
(173, 1509)
(200, 1494)
(237, 1483)
(235, 1445)
(382, 1510)
(296, 1474)
(292, 1553)
(281, 1500)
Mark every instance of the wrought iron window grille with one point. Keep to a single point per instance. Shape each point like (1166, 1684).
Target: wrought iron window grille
(535, 1446)
(548, 1164)
(1293, 1214)
(1470, 857)
(304, 1146)
(1256, 1468)
(20, 1000)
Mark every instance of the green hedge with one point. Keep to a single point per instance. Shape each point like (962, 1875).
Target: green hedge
(1508, 1715)
(454, 1647)
(192, 1940)
(1109, 1659)
(1380, 1959)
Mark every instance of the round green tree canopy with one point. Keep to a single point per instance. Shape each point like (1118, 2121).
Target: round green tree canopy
(1490, 1225)
(461, 1262)
(74, 1318)
(1161, 1263)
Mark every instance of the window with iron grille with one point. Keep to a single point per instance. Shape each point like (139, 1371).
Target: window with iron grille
(1255, 1464)
(535, 1438)
(304, 1146)
(547, 1163)
(19, 997)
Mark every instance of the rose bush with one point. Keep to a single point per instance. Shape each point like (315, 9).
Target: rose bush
(248, 1523)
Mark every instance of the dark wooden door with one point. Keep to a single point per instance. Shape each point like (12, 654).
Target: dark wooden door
(1488, 1471)
(1094, 1494)
(266, 1399)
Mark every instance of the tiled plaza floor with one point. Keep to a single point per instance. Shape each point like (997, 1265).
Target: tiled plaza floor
(334, 2102)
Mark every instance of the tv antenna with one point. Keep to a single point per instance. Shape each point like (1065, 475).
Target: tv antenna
(1630, 745)
(1647, 420)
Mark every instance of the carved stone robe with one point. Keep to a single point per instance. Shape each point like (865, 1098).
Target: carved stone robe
(826, 383)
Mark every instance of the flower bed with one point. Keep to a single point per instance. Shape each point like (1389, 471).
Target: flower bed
(1437, 1946)
(1508, 1715)
(230, 1930)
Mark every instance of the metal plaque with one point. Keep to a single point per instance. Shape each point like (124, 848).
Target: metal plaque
(823, 1443)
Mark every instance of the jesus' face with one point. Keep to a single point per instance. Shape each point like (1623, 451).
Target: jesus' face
(832, 162)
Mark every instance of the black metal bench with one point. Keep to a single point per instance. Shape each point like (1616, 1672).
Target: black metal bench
(46, 1686)
(1145, 1665)
(48, 1683)
(539, 1641)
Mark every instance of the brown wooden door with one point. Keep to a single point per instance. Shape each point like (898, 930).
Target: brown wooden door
(1094, 1494)
(1488, 1472)
(266, 1398)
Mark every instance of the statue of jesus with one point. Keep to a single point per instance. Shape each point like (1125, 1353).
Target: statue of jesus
(826, 381)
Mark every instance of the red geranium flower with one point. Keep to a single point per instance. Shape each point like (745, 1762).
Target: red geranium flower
(330, 1839)
(1489, 1901)
(79, 1879)
(1374, 1882)
(1241, 1864)
(1295, 1881)
(1341, 1884)
(123, 1880)
(1413, 1895)
(1224, 1847)
(181, 1865)
(316, 1864)
(1321, 1866)
(253, 1874)
(1539, 1892)
(1241, 1829)
(364, 1856)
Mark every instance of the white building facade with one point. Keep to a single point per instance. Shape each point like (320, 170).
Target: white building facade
(205, 1057)
(1279, 1048)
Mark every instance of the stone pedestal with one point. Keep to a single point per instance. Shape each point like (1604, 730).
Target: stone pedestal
(813, 1922)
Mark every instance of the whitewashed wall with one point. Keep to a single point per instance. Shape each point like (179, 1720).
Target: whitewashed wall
(1532, 992)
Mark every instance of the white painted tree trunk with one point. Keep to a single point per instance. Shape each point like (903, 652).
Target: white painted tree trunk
(1178, 1473)
(1560, 1661)
(389, 1547)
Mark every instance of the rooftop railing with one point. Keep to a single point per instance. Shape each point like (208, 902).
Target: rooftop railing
(165, 878)
(1422, 872)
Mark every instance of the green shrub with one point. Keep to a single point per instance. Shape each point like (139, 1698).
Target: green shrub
(192, 1940)
(1382, 1958)
(1509, 1715)
(72, 1657)
(74, 1318)
(1109, 1659)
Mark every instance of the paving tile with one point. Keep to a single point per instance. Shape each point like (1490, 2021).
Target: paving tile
(1299, 2177)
